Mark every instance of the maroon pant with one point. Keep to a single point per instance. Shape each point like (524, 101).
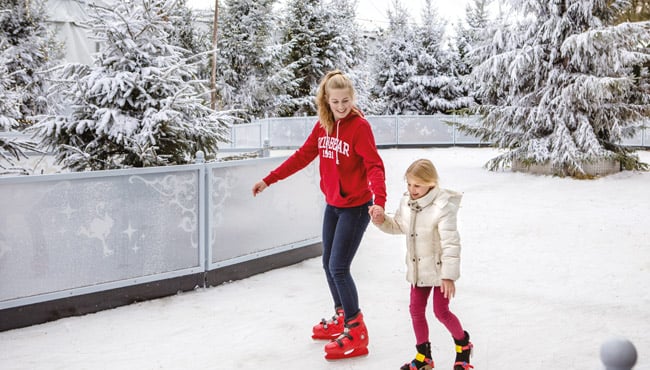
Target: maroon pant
(418, 306)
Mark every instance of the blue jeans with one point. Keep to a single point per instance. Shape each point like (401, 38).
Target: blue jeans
(343, 229)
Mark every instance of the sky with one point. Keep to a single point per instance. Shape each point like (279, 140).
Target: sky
(373, 13)
(551, 268)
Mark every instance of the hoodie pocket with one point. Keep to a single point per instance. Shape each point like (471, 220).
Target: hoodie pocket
(342, 194)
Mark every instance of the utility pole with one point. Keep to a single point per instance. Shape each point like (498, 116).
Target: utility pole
(213, 77)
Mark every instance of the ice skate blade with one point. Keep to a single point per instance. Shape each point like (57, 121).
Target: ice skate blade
(349, 354)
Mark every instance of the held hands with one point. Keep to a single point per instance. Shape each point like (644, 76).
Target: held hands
(448, 288)
(376, 214)
(259, 187)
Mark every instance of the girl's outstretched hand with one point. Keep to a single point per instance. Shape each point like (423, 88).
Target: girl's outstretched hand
(448, 288)
(376, 214)
(259, 187)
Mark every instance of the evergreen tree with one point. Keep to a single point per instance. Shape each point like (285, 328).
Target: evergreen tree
(638, 10)
(560, 87)
(27, 48)
(469, 35)
(274, 98)
(436, 87)
(345, 46)
(10, 150)
(139, 104)
(302, 28)
(320, 36)
(251, 77)
(183, 31)
(349, 48)
(190, 32)
(396, 63)
(196, 38)
(26, 52)
(471, 32)
(362, 77)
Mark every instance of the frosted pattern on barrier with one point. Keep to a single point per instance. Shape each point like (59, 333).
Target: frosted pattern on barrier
(66, 234)
(242, 225)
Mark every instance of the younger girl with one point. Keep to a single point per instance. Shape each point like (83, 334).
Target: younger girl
(427, 215)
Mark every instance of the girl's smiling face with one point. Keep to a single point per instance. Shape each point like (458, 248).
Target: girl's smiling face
(340, 102)
(417, 189)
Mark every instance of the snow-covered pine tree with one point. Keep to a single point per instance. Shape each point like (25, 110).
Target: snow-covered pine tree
(396, 63)
(348, 46)
(10, 150)
(266, 93)
(251, 78)
(436, 86)
(26, 52)
(470, 32)
(559, 87)
(183, 32)
(191, 32)
(302, 26)
(274, 97)
(139, 104)
(344, 43)
(320, 36)
(638, 10)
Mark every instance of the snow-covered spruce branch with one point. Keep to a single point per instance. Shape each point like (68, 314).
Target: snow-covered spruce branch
(615, 46)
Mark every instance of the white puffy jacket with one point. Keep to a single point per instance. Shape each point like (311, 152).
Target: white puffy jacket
(432, 239)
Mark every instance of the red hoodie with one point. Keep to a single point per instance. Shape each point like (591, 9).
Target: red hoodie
(351, 170)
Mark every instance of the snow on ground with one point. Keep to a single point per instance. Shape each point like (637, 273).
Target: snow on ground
(551, 268)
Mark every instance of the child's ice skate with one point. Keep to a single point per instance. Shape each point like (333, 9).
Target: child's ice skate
(422, 359)
(329, 329)
(463, 352)
(352, 342)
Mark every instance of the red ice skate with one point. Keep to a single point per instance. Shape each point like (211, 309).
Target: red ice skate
(352, 342)
(329, 329)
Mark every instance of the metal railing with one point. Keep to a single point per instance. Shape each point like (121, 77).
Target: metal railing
(389, 131)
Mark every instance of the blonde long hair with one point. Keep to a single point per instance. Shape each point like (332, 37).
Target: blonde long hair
(424, 171)
(332, 80)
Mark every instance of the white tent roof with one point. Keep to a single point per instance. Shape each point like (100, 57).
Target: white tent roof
(66, 11)
(68, 19)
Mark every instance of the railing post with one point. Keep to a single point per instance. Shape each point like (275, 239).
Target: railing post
(200, 157)
(266, 149)
(396, 130)
(453, 130)
(618, 354)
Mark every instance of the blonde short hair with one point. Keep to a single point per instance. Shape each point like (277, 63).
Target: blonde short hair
(424, 171)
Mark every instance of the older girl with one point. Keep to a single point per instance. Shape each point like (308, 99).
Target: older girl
(352, 179)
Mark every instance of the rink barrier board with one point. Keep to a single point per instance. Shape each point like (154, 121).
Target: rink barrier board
(64, 252)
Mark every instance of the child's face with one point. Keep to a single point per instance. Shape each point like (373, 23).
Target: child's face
(340, 102)
(416, 188)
